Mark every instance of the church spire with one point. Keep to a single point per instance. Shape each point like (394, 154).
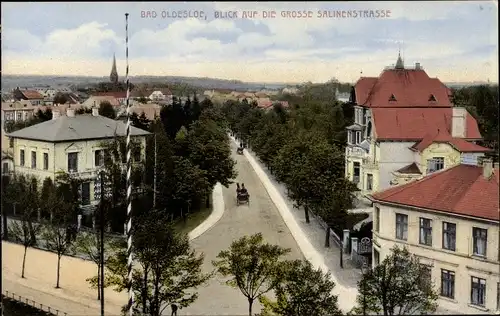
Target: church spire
(399, 62)
(113, 77)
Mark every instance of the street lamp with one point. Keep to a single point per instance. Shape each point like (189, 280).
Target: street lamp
(103, 192)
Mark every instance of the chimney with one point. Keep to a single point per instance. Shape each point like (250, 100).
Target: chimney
(95, 112)
(487, 168)
(458, 124)
(56, 115)
(70, 112)
(417, 66)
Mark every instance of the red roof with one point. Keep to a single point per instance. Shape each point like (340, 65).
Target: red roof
(410, 88)
(415, 123)
(444, 137)
(459, 190)
(116, 94)
(31, 94)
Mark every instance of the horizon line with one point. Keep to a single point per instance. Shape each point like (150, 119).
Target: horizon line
(250, 82)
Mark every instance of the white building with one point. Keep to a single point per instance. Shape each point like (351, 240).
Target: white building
(70, 143)
(450, 220)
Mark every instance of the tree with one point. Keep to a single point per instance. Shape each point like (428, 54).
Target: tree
(400, 285)
(26, 228)
(169, 269)
(89, 244)
(56, 234)
(303, 290)
(252, 265)
(107, 110)
(61, 98)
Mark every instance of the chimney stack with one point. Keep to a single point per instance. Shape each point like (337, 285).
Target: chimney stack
(458, 122)
(487, 168)
(70, 113)
(417, 66)
(55, 115)
(95, 112)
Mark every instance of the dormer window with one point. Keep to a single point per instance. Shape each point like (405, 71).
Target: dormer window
(392, 98)
(432, 98)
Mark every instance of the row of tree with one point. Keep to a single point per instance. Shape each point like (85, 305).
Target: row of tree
(303, 146)
(168, 272)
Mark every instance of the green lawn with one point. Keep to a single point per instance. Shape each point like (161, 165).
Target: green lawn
(193, 220)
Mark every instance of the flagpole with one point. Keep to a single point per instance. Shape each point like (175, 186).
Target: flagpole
(129, 182)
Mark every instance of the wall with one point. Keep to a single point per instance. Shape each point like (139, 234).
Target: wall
(392, 156)
(461, 261)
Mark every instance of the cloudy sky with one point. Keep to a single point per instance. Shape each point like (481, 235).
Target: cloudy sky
(455, 41)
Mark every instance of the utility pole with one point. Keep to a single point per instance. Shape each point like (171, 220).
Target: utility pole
(102, 242)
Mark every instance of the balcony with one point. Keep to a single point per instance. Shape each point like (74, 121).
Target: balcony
(368, 163)
(355, 152)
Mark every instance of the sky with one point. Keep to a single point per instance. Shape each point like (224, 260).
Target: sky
(454, 41)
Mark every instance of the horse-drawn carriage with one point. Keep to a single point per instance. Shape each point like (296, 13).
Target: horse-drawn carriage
(239, 151)
(242, 198)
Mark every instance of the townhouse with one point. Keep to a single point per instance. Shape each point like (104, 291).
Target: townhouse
(450, 220)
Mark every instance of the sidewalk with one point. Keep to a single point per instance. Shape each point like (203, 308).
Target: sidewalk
(345, 279)
(75, 297)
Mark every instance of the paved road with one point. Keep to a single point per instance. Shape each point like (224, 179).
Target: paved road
(215, 298)
(261, 216)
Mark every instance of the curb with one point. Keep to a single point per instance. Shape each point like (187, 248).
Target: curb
(215, 215)
(307, 249)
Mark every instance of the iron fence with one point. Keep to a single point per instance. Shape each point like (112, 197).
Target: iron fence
(32, 303)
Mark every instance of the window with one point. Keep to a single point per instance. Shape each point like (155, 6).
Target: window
(45, 161)
(447, 283)
(425, 231)
(358, 137)
(432, 98)
(137, 154)
(369, 182)
(376, 256)
(426, 275)
(435, 164)
(21, 154)
(392, 98)
(85, 193)
(357, 171)
(449, 236)
(401, 226)
(73, 162)
(478, 291)
(479, 236)
(377, 219)
(33, 160)
(369, 130)
(98, 158)
(5, 168)
(19, 116)
(349, 137)
(11, 143)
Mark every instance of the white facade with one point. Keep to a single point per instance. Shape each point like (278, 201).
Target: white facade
(475, 271)
(159, 96)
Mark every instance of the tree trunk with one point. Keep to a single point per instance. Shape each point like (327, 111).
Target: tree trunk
(24, 261)
(327, 237)
(98, 282)
(58, 270)
(144, 292)
(250, 303)
(32, 232)
(306, 213)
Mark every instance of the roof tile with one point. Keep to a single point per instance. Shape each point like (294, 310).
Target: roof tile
(458, 190)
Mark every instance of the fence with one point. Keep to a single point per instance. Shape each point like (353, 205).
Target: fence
(33, 304)
(361, 251)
